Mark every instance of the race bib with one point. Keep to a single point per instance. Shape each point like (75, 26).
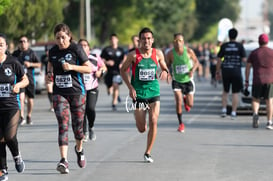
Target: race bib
(86, 78)
(5, 90)
(63, 81)
(146, 74)
(181, 69)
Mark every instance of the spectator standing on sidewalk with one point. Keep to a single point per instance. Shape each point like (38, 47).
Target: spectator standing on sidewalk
(228, 66)
(261, 60)
(67, 64)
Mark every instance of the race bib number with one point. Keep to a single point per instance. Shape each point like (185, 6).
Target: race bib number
(181, 69)
(63, 81)
(86, 78)
(5, 90)
(146, 74)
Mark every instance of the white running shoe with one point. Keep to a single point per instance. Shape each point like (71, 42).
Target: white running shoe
(148, 158)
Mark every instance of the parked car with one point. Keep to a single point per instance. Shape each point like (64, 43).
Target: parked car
(39, 73)
(245, 101)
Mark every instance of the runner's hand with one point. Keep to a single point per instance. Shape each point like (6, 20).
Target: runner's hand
(16, 89)
(218, 76)
(49, 77)
(132, 93)
(163, 75)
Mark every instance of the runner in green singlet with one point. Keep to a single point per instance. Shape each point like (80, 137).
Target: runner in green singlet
(144, 86)
(183, 62)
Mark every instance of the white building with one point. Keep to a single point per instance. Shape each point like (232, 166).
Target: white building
(253, 20)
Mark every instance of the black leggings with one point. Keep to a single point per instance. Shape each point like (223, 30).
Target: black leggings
(90, 113)
(8, 135)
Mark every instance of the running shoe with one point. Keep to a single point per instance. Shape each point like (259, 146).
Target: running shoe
(80, 158)
(269, 125)
(119, 99)
(181, 128)
(255, 120)
(29, 121)
(224, 114)
(92, 135)
(62, 166)
(114, 108)
(86, 135)
(187, 107)
(148, 158)
(3, 175)
(233, 117)
(22, 121)
(19, 163)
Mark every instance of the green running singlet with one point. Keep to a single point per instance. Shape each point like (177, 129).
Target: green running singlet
(181, 66)
(144, 77)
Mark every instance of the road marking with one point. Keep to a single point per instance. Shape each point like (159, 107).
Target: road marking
(196, 116)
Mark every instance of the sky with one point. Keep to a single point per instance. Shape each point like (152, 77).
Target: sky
(251, 8)
(250, 24)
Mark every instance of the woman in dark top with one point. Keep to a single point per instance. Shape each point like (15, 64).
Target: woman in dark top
(67, 63)
(12, 79)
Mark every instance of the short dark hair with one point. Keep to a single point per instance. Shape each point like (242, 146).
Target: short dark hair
(23, 36)
(145, 30)
(2, 35)
(83, 40)
(177, 34)
(132, 37)
(113, 34)
(232, 33)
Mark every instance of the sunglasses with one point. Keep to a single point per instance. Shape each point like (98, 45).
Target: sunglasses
(178, 40)
(22, 41)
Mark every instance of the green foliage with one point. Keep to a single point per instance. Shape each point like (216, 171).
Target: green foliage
(4, 4)
(210, 35)
(122, 17)
(173, 17)
(210, 12)
(32, 18)
(196, 19)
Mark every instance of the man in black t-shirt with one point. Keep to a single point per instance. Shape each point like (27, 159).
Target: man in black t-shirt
(113, 56)
(229, 62)
(29, 60)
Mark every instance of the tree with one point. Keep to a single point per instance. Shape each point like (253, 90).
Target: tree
(172, 17)
(4, 4)
(194, 18)
(210, 12)
(33, 18)
(119, 16)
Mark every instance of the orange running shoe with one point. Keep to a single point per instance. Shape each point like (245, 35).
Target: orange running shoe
(181, 128)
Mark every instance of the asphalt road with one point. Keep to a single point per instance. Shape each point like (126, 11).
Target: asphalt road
(212, 148)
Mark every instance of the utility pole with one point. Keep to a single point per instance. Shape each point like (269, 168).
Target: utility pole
(82, 19)
(88, 19)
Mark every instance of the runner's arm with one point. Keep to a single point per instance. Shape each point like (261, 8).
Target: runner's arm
(124, 74)
(195, 61)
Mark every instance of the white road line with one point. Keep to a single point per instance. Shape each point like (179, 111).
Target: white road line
(196, 116)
